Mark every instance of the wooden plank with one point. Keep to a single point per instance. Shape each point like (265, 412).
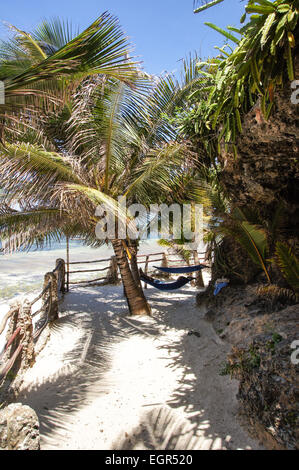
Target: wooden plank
(146, 270)
(151, 254)
(89, 270)
(150, 261)
(93, 261)
(89, 282)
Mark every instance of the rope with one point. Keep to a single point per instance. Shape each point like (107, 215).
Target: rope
(93, 261)
(88, 282)
(39, 331)
(41, 294)
(89, 270)
(12, 338)
(7, 316)
(4, 371)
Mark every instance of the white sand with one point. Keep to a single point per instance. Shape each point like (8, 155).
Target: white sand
(106, 380)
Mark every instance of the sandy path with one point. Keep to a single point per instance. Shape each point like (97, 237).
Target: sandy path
(108, 381)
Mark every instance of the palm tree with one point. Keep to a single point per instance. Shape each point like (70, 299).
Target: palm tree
(41, 69)
(113, 140)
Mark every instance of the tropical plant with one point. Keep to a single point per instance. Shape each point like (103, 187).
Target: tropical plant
(252, 67)
(40, 70)
(252, 237)
(289, 264)
(237, 79)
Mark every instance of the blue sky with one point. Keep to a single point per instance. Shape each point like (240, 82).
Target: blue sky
(163, 31)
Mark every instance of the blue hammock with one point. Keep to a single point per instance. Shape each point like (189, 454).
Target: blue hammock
(180, 282)
(182, 269)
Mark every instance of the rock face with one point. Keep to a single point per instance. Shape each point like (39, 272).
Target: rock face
(19, 428)
(264, 177)
(266, 171)
(262, 333)
(269, 389)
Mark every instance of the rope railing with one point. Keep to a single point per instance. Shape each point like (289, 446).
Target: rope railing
(6, 318)
(112, 276)
(18, 351)
(92, 261)
(48, 286)
(88, 270)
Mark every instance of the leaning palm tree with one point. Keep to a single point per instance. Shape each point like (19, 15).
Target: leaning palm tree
(108, 155)
(114, 140)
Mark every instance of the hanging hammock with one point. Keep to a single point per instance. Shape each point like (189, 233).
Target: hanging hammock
(180, 282)
(182, 269)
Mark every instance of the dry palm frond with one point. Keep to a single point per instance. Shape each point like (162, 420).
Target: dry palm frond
(275, 292)
(289, 264)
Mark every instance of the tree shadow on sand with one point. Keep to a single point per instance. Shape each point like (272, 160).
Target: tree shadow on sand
(82, 376)
(202, 411)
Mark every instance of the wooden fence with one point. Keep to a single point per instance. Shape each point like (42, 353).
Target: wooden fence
(22, 333)
(112, 275)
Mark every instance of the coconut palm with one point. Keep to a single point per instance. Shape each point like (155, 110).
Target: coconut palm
(114, 140)
(41, 69)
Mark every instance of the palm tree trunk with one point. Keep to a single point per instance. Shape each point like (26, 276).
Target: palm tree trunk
(135, 297)
(133, 245)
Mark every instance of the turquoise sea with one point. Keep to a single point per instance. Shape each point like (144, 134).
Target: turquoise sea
(23, 272)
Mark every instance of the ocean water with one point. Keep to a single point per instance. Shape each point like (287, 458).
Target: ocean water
(23, 272)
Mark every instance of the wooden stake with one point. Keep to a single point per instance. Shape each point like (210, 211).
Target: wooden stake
(164, 264)
(146, 269)
(67, 264)
(199, 279)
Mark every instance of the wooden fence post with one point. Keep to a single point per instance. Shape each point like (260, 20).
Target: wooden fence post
(199, 279)
(112, 276)
(19, 354)
(146, 269)
(60, 274)
(51, 295)
(164, 264)
(26, 333)
(67, 264)
(12, 326)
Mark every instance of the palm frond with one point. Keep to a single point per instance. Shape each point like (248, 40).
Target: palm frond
(252, 238)
(158, 171)
(289, 264)
(205, 4)
(101, 49)
(29, 170)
